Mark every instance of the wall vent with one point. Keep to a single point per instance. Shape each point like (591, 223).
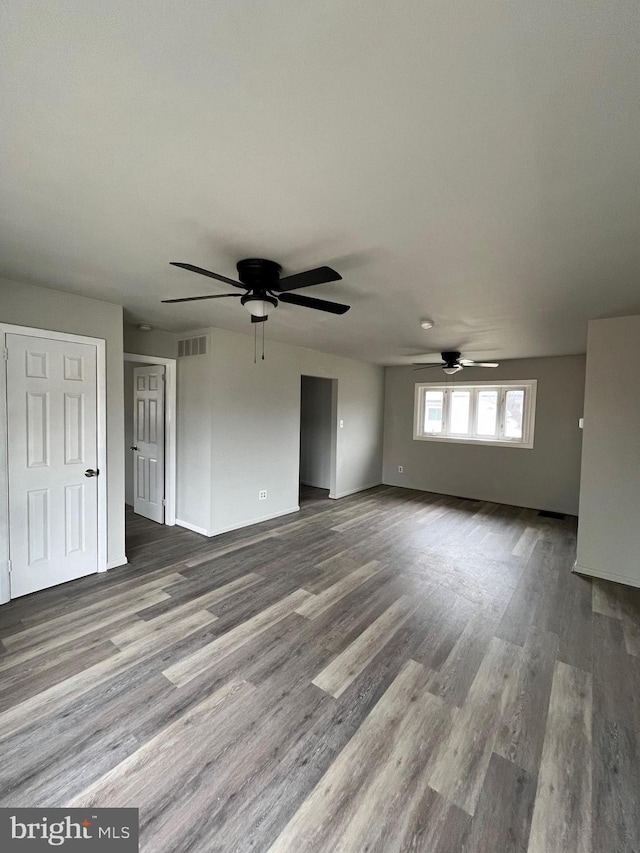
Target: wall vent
(192, 346)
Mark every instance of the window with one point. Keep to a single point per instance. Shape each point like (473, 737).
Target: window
(478, 413)
(433, 403)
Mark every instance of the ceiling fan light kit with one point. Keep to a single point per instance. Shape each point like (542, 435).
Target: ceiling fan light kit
(259, 306)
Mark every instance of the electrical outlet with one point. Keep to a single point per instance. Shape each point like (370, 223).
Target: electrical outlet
(400, 469)
(262, 495)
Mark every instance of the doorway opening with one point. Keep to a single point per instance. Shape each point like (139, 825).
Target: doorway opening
(53, 497)
(150, 436)
(318, 438)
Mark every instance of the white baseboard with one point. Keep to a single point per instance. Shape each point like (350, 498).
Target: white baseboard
(354, 491)
(119, 561)
(253, 521)
(629, 580)
(193, 527)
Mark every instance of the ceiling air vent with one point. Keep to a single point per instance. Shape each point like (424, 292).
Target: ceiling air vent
(192, 346)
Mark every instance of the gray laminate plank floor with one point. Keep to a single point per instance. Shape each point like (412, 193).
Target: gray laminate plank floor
(394, 671)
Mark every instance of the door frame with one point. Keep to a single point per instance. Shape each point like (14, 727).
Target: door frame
(101, 423)
(333, 459)
(169, 429)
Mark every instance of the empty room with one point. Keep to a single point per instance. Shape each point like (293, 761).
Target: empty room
(319, 464)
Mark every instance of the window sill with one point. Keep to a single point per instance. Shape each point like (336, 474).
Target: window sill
(487, 442)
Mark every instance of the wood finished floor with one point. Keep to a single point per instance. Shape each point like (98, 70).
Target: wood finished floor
(394, 671)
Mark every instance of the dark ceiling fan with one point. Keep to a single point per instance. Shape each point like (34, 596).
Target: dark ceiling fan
(260, 279)
(452, 363)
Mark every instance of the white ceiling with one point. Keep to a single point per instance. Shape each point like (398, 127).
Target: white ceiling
(473, 162)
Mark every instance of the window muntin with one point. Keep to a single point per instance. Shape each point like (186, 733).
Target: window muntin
(476, 413)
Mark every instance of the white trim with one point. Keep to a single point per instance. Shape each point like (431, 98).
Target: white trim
(253, 521)
(464, 440)
(629, 580)
(333, 447)
(103, 510)
(530, 386)
(169, 430)
(5, 578)
(242, 524)
(194, 527)
(101, 424)
(119, 561)
(12, 329)
(354, 491)
(333, 463)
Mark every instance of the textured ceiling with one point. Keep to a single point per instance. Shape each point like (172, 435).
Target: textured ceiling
(473, 162)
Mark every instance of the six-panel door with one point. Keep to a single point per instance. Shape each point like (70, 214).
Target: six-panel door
(148, 432)
(52, 432)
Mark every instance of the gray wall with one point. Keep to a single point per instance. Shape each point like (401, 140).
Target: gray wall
(193, 439)
(315, 432)
(238, 425)
(545, 477)
(42, 308)
(256, 426)
(154, 342)
(239, 429)
(609, 528)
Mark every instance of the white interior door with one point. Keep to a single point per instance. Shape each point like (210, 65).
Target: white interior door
(52, 433)
(148, 433)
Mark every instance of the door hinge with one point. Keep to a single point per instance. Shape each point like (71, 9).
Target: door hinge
(164, 503)
(6, 354)
(164, 378)
(9, 566)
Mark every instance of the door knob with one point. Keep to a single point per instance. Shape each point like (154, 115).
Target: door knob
(91, 472)
(133, 448)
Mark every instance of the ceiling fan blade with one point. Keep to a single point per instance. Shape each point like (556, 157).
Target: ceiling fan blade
(469, 362)
(310, 302)
(196, 298)
(305, 279)
(191, 268)
(258, 319)
(420, 366)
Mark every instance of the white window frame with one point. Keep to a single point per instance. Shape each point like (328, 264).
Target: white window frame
(529, 386)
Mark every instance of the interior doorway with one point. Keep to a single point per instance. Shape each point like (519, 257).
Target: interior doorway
(318, 436)
(53, 511)
(150, 436)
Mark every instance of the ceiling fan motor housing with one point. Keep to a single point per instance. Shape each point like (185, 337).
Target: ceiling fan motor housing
(259, 274)
(451, 359)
